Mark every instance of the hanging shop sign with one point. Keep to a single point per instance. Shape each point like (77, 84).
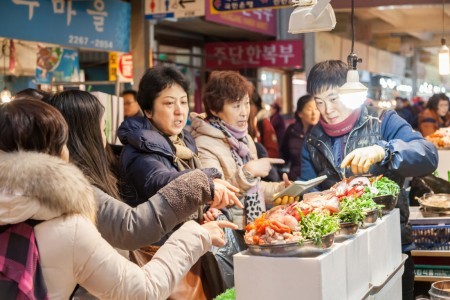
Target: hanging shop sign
(222, 6)
(57, 64)
(277, 54)
(121, 67)
(158, 9)
(261, 20)
(96, 24)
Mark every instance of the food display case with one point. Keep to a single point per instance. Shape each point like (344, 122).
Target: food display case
(367, 265)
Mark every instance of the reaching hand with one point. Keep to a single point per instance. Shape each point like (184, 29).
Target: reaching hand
(361, 159)
(224, 194)
(216, 233)
(211, 214)
(261, 167)
(286, 180)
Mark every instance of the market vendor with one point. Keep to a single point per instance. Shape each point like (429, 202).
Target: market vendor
(363, 141)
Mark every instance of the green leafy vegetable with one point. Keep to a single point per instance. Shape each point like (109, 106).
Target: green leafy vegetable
(385, 186)
(351, 211)
(315, 225)
(229, 294)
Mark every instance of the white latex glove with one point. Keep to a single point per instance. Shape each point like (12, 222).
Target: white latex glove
(261, 167)
(216, 233)
(224, 194)
(361, 159)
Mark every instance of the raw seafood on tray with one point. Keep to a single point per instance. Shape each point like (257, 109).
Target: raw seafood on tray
(320, 213)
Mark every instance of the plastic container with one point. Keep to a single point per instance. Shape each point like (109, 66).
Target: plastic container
(431, 237)
(440, 290)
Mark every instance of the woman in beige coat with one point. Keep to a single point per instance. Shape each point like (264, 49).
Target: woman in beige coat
(224, 143)
(41, 187)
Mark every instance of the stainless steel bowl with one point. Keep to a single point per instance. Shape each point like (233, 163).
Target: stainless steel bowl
(306, 249)
(348, 229)
(371, 217)
(389, 202)
(440, 290)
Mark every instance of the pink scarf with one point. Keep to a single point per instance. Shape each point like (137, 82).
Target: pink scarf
(343, 127)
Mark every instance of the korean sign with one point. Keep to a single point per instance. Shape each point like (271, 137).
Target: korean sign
(220, 6)
(97, 24)
(121, 66)
(158, 9)
(258, 20)
(254, 54)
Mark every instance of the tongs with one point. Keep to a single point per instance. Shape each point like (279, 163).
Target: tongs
(298, 187)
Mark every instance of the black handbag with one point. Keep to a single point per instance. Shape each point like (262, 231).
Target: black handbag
(218, 262)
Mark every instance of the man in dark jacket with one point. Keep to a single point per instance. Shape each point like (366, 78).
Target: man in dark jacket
(366, 141)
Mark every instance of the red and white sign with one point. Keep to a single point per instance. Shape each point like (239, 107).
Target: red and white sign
(126, 67)
(254, 55)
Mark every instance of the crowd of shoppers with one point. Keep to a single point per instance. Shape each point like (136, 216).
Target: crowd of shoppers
(169, 185)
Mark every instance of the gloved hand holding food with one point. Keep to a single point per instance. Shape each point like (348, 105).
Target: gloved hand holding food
(361, 159)
(261, 167)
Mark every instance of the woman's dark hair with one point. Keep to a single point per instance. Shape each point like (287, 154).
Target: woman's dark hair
(301, 102)
(32, 125)
(224, 86)
(326, 75)
(155, 81)
(83, 113)
(30, 93)
(256, 99)
(433, 102)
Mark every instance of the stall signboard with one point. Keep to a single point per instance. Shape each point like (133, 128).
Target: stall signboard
(159, 9)
(57, 64)
(254, 55)
(261, 20)
(225, 6)
(97, 24)
(121, 67)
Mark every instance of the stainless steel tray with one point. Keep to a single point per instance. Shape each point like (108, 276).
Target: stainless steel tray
(305, 249)
(435, 203)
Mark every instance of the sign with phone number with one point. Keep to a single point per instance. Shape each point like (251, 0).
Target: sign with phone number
(96, 24)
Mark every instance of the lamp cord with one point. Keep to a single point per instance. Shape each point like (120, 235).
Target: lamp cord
(443, 21)
(353, 28)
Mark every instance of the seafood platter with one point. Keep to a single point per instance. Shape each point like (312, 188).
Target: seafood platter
(309, 227)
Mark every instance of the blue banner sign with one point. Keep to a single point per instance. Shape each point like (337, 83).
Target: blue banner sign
(96, 24)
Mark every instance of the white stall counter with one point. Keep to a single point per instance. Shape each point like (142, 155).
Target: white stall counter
(360, 267)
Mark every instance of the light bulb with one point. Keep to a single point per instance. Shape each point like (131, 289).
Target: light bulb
(353, 93)
(444, 60)
(5, 95)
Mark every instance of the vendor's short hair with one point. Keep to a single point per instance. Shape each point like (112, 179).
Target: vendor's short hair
(222, 87)
(155, 81)
(326, 75)
(32, 125)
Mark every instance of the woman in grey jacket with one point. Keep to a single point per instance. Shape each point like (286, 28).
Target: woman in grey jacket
(122, 226)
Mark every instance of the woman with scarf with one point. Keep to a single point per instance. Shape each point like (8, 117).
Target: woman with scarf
(157, 148)
(224, 143)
